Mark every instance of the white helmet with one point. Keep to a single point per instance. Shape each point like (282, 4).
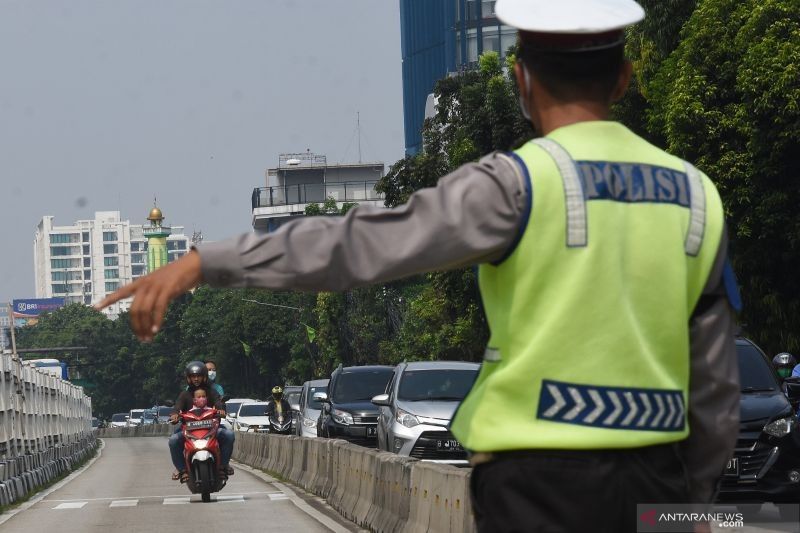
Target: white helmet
(569, 16)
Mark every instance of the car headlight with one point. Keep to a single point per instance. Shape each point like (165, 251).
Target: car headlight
(243, 425)
(407, 419)
(309, 423)
(342, 417)
(780, 427)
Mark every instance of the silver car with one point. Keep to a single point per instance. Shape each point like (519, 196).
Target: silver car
(417, 408)
(305, 423)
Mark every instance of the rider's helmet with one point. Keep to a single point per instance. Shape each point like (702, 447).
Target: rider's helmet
(196, 368)
(784, 363)
(277, 393)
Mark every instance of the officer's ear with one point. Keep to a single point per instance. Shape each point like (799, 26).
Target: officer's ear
(623, 80)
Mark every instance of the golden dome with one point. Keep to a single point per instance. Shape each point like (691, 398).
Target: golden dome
(155, 214)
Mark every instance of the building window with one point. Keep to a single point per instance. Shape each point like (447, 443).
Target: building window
(87, 299)
(63, 250)
(487, 8)
(87, 287)
(111, 261)
(87, 261)
(109, 236)
(64, 263)
(181, 245)
(110, 249)
(171, 245)
(472, 45)
(85, 249)
(87, 274)
(111, 286)
(85, 236)
(111, 273)
(508, 38)
(137, 270)
(135, 246)
(59, 288)
(63, 238)
(491, 39)
(59, 276)
(137, 258)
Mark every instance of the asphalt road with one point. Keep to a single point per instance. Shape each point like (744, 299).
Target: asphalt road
(128, 489)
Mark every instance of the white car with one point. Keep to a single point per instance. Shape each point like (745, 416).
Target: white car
(135, 417)
(232, 408)
(251, 418)
(119, 420)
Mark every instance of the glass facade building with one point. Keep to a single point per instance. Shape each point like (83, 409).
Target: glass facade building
(440, 37)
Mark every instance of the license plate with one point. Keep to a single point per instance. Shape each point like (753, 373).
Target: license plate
(372, 431)
(449, 445)
(199, 424)
(732, 468)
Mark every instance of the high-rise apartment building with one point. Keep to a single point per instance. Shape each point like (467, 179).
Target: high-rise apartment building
(439, 37)
(90, 259)
(5, 328)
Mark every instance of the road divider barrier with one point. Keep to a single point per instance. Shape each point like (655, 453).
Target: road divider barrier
(45, 428)
(380, 491)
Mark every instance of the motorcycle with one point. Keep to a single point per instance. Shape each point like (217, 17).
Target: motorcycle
(280, 423)
(201, 451)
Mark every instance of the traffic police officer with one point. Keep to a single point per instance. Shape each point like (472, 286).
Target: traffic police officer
(611, 377)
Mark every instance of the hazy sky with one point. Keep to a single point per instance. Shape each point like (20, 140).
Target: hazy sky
(104, 104)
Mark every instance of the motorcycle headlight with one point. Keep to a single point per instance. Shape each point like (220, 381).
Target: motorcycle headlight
(407, 419)
(200, 444)
(309, 423)
(780, 427)
(343, 417)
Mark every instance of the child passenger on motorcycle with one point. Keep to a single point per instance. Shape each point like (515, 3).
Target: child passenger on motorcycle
(197, 379)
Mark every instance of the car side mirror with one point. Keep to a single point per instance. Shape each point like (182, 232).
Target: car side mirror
(381, 399)
(232, 415)
(792, 385)
(321, 397)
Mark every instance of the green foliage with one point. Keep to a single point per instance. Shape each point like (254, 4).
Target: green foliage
(728, 98)
(329, 207)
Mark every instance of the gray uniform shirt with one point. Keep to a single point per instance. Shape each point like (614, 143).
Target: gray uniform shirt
(473, 216)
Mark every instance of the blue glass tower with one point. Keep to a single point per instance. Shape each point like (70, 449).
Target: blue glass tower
(439, 37)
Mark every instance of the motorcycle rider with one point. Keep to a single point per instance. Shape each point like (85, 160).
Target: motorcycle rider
(197, 378)
(278, 405)
(211, 365)
(784, 364)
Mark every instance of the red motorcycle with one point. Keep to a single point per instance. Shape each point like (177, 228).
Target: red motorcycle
(201, 451)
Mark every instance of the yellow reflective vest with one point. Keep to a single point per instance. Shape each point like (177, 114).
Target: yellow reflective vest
(589, 312)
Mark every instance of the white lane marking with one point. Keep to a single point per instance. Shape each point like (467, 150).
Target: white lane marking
(225, 498)
(8, 515)
(124, 503)
(278, 496)
(147, 497)
(176, 501)
(326, 521)
(73, 505)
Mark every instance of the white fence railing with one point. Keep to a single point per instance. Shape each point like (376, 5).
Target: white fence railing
(45, 427)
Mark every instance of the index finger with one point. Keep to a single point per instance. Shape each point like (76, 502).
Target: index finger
(117, 295)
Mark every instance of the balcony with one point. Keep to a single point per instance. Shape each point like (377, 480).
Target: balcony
(307, 193)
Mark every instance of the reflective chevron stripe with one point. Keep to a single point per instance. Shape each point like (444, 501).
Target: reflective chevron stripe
(612, 407)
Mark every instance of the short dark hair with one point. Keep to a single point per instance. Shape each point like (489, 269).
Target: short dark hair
(210, 361)
(570, 75)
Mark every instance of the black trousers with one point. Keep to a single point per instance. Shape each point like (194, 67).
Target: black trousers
(568, 491)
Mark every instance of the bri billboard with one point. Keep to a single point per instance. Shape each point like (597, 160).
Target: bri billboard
(34, 307)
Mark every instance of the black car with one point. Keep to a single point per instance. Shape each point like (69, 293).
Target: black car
(766, 462)
(348, 412)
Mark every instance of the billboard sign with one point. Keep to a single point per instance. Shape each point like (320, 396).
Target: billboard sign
(32, 308)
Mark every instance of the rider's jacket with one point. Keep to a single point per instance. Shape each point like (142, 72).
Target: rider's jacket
(589, 312)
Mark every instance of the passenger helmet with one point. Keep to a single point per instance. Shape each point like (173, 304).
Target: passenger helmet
(277, 392)
(784, 363)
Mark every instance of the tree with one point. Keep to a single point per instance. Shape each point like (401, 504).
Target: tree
(728, 99)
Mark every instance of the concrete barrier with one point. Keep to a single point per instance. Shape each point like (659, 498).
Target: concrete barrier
(377, 490)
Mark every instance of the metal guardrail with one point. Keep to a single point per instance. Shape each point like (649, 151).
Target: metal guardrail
(307, 193)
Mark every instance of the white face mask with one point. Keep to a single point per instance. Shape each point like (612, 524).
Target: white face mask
(212, 375)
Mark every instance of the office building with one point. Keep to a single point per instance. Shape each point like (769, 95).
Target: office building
(5, 327)
(90, 259)
(306, 178)
(441, 37)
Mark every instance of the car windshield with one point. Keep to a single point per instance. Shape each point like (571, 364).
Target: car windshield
(293, 397)
(432, 385)
(149, 415)
(252, 410)
(120, 417)
(164, 411)
(310, 401)
(361, 385)
(232, 407)
(755, 373)
(136, 414)
(95, 422)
